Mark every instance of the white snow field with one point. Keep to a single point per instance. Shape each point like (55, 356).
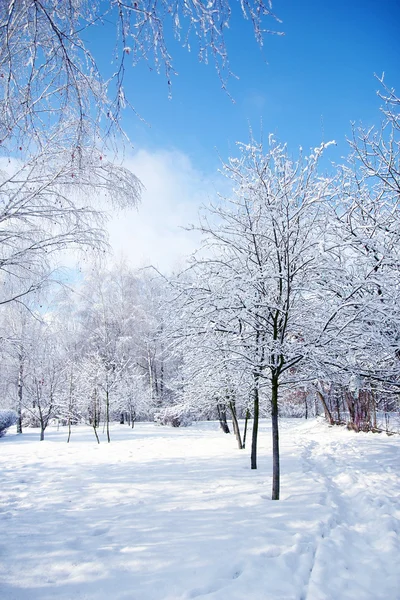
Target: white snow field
(175, 514)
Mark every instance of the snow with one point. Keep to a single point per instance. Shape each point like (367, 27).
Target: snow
(176, 514)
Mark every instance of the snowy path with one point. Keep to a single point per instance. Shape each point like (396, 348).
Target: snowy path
(176, 514)
(359, 543)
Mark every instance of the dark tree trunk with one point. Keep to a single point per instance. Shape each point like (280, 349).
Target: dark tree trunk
(327, 412)
(373, 408)
(95, 433)
(222, 418)
(339, 417)
(235, 424)
(275, 439)
(20, 392)
(246, 421)
(43, 422)
(108, 415)
(256, 409)
(122, 419)
(156, 384)
(70, 405)
(162, 371)
(351, 408)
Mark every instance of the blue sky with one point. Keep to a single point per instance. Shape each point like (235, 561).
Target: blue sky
(305, 87)
(318, 78)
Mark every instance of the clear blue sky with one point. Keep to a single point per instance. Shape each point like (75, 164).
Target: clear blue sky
(318, 78)
(305, 87)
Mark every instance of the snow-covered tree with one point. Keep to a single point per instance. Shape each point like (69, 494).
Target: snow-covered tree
(262, 260)
(360, 298)
(60, 115)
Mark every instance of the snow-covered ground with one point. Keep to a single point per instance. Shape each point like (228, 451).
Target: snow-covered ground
(175, 514)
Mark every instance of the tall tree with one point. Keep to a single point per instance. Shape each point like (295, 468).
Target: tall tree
(263, 244)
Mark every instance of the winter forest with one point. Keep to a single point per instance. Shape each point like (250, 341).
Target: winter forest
(175, 404)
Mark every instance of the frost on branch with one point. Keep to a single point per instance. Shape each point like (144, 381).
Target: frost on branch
(50, 82)
(60, 116)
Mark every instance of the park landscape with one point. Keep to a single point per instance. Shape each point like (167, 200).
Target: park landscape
(199, 300)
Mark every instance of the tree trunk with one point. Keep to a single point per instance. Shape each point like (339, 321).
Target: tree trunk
(235, 424)
(256, 402)
(275, 439)
(151, 383)
(20, 392)
(246, 421)
(351, 408)
(42, 422)
(95, 433)
(327, 412)
(132, 416)
(222, 418)
(69, 428)
(339, 417)
(373, 407)
(108, 415)
(162, 370)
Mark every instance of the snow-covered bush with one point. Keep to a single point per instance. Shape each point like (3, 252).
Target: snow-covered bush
(174, 416)
(7, 418)
(31, 418)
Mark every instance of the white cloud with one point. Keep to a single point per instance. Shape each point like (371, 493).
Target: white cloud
(174, 191)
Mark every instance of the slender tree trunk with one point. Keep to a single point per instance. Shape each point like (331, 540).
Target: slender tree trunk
(156, 384)
(96, 414)
(69, 428)
(373, 403)
(162, 370)
(95, 432)
(246, 421)
(327, 412)
(221, 408)
(339, 417)
(235, 424)
(351, 408)
(275, 438)
(20, 393)
(256, 409)
(70, 404)
(150, 368)
(108, 414)
(42, 424)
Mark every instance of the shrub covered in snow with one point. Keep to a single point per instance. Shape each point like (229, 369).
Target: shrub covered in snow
(31, 418)
(7, 418)
(174, 416)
